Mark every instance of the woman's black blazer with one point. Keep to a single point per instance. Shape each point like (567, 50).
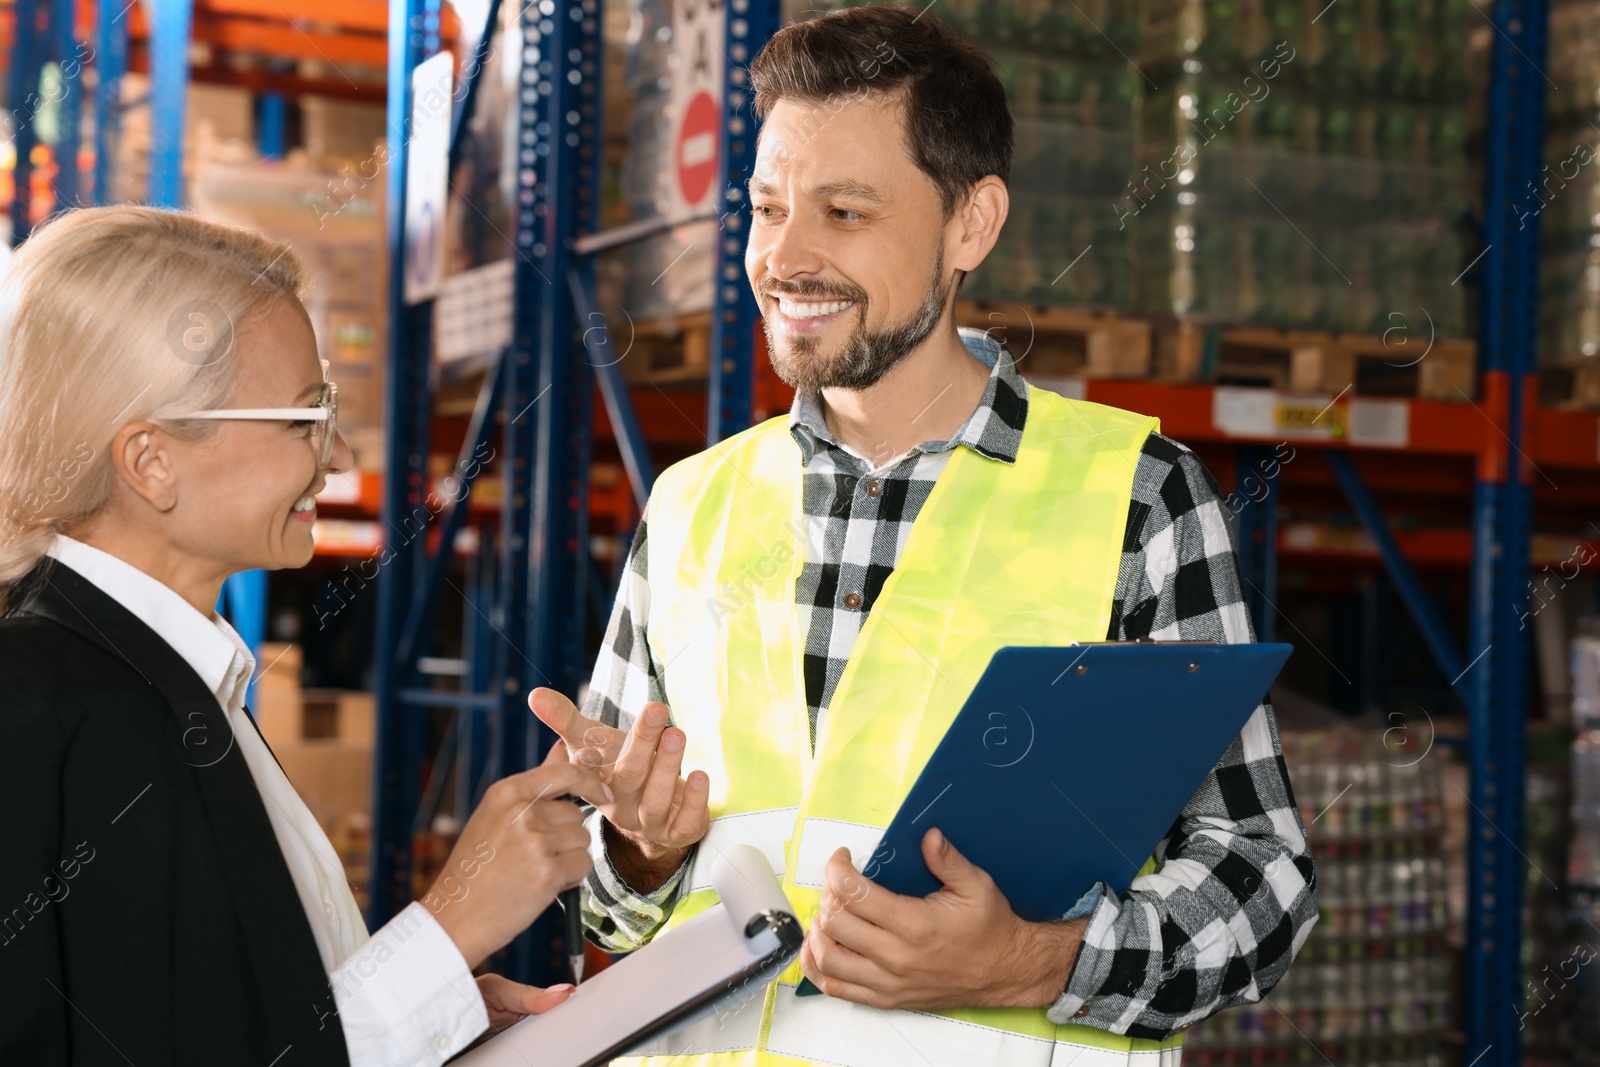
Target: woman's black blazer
(147, 916)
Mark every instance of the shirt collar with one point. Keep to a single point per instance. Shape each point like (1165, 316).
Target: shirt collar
(994, 429)
(211, 647)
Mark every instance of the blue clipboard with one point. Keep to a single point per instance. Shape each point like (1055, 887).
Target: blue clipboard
(1067, 765)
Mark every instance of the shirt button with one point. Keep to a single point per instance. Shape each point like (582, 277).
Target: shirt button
(874, 488)
(442, 1042)
(1081, 1012)
(329, 910)
(852, 601)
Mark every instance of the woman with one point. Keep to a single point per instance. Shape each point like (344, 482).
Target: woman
(166, 897)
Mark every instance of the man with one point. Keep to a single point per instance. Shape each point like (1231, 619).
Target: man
(815, 597)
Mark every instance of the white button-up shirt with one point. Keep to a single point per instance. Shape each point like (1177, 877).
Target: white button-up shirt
(403, 995)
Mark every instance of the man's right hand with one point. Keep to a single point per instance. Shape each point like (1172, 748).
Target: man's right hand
(656, 815)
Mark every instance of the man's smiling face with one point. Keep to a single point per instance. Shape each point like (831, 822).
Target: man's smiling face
(846, 251)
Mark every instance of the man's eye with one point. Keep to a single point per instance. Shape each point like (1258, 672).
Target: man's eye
(302, 426)
(846, 215)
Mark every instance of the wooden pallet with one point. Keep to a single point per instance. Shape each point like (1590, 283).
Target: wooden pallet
(665, 351)
(1315, 362)
(1047, 342)
(1056, 342)
(1572, 383)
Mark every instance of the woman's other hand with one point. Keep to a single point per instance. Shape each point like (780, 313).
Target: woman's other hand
(510, 1002)
(521, 848)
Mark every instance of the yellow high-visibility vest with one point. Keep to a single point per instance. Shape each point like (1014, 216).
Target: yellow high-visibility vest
(1018, 554)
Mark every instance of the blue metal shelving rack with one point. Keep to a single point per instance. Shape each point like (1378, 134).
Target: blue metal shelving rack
(1502, 519)
(1491, 679)
(399, 742)
(22, 83)
(169, 91)
(111, 59)
(525, 616)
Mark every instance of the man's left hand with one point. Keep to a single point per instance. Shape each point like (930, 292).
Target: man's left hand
(961, 947)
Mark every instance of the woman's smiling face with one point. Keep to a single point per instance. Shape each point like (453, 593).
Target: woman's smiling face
(245, 494)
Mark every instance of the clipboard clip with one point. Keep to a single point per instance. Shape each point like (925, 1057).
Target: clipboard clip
(779, 922)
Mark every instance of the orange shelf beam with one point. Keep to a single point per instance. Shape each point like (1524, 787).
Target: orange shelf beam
(285, 41)
(369, 16)
(1555, 438)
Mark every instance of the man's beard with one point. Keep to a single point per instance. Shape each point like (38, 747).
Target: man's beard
(866, 355)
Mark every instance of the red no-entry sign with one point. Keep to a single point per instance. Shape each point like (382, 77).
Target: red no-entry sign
(697, 146)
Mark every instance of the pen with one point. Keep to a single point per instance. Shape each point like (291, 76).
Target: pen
(569, 901)
(574, 918)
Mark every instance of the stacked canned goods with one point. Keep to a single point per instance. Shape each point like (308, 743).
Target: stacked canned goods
(1373, 984)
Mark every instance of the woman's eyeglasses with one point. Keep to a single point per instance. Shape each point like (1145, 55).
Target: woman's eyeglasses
(322, 416)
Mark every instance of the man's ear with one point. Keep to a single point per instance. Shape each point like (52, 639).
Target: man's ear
(975, 226)
(140, 454)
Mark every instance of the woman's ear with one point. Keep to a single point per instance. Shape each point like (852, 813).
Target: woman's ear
(975, 226)
(143, 463)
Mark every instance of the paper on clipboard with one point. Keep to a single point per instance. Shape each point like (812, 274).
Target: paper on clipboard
(707, 965)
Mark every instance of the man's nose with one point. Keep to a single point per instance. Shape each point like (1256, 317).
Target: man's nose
(794, 248)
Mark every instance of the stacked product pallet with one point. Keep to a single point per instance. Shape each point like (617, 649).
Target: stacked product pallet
(1292, 165)
(1072, 93)
(1058, 286)
(331, 212)
(1302, 165)
(1072, 99)
(1577, 974)
(1566, 204)
(1546, 1018)
(1373, 985)
(669, 273)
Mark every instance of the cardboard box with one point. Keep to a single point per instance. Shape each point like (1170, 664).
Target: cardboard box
(343, 714)
(331, 212)
(320, 715)
(288, 714)
(333, 777)
(341, 129)
(279, 707)
(358, 716)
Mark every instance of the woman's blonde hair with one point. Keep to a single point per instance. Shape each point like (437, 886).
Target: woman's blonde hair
(111, 315)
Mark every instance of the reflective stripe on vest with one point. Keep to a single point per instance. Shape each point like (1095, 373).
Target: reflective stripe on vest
(825, 1030)
(766, 830)
(1000, 554)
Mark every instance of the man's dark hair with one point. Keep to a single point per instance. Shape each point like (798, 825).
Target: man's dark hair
(958, 126)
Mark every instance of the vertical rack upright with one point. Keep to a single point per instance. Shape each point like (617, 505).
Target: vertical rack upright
(538, 392)
(1502, 521)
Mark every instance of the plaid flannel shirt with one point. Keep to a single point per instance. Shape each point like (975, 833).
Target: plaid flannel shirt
(1232, 897)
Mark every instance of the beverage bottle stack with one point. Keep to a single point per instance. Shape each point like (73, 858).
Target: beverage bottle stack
(1584, 864)
(1373, 984)
(1302, 166)
(1581, 967)
(1565, 202)
(1547, 1018)
(1072, 92)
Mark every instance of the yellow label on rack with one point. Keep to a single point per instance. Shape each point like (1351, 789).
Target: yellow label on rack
(1319, 417)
